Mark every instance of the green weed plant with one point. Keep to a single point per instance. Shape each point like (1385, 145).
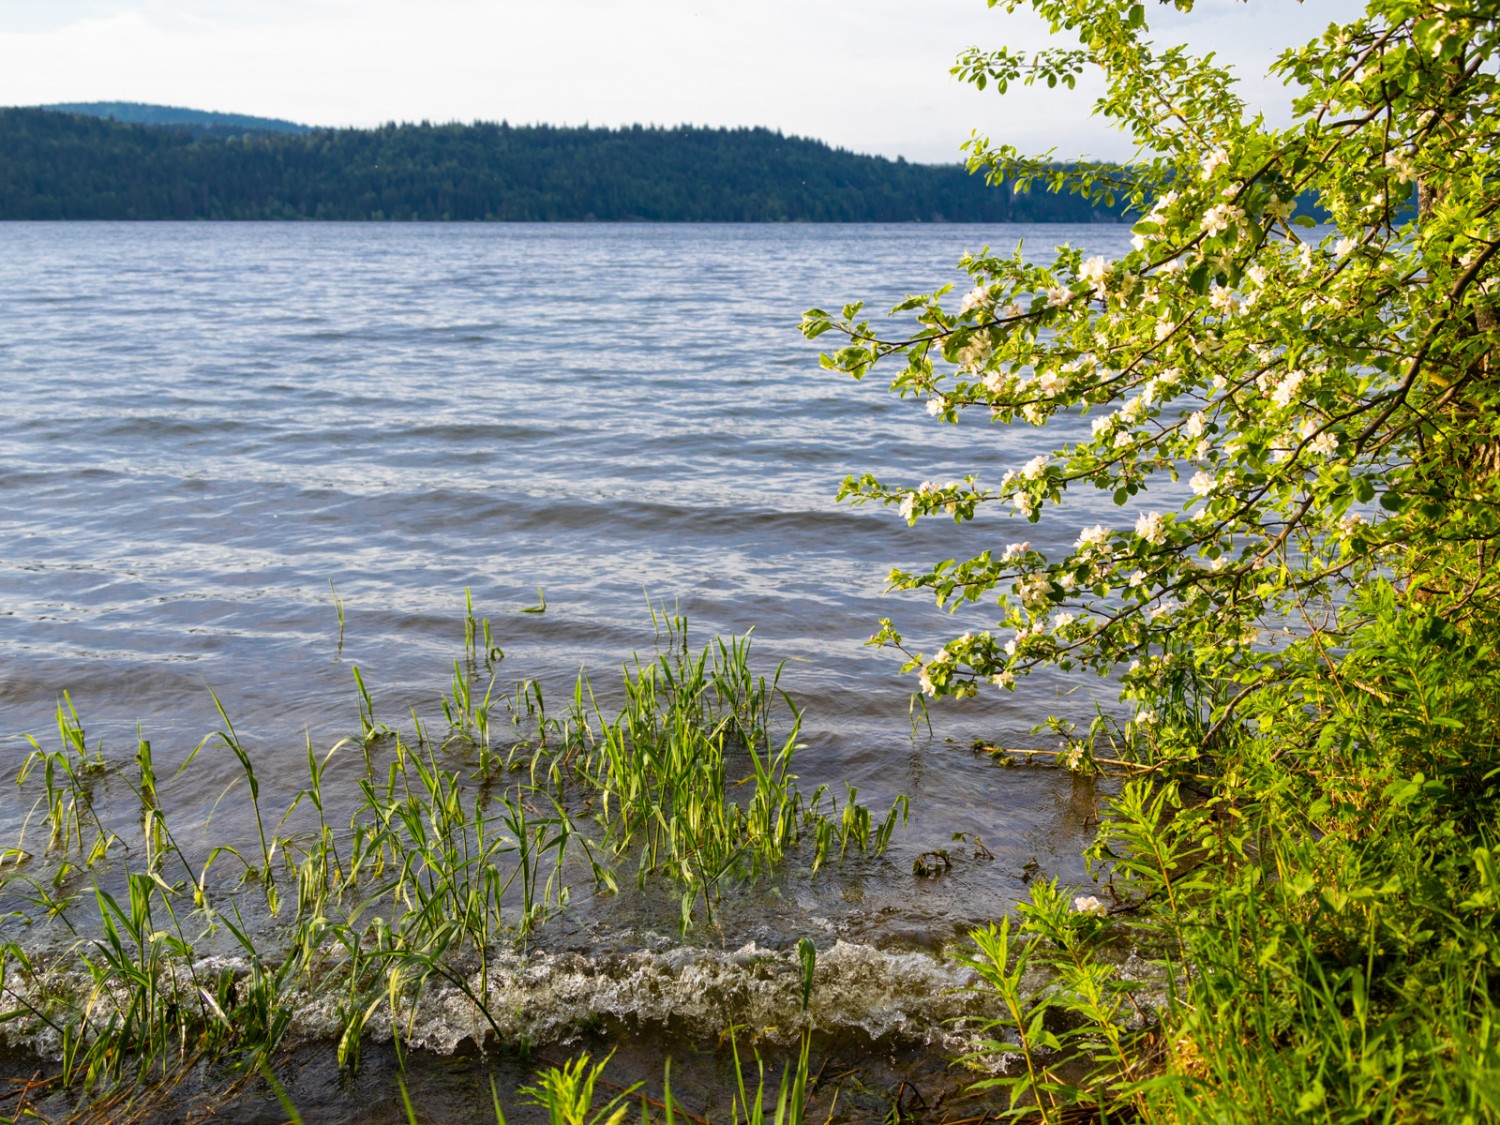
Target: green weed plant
(457, 847)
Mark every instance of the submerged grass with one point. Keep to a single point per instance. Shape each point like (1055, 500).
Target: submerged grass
(450, 849)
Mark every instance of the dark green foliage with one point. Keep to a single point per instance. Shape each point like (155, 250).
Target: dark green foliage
(65, 166)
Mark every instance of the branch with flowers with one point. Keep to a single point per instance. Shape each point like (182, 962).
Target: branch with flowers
(1308, 633)
(1293, 375)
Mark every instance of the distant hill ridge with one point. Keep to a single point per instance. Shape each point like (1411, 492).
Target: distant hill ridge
(63, 163)
(143, 113)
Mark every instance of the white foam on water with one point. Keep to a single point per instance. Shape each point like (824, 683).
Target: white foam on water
(914, 997)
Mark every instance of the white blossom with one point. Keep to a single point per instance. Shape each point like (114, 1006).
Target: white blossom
(1096, 272)
(978, 349)
(1194, 425)
(1035, 591)
(1215, 160)
(1062, 620)
(1286, 390)
(1324, 444)
(1035, 467)
(1088, 904)
(1222, 216)
(1092, 537)
(974, 298)
(924, 678)
(1161, 205)
(1059, 296)
(1203, 483)
(1015, 551)
(1150, 528)
(1221, 299)
(1398, 163)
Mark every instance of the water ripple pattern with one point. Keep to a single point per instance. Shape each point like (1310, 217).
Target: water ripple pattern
(205, 425)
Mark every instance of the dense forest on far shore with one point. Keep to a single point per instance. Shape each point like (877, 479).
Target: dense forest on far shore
(56, 165)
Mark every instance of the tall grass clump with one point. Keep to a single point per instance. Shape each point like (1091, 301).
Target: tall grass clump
(691, 778)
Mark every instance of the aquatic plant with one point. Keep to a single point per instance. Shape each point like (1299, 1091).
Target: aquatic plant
(456, 848)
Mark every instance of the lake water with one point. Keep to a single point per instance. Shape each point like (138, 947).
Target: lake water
(206, 425)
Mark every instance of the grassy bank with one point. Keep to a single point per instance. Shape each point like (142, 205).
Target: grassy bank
(1311, 866)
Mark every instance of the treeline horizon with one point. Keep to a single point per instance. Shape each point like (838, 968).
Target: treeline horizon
(61, 165)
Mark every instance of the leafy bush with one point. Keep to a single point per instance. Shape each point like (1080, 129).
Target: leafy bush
(1303, 848)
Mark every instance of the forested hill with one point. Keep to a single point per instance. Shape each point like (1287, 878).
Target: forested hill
(199, 120)
(66, 166)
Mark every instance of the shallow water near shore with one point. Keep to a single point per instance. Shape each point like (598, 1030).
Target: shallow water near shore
(206, 425)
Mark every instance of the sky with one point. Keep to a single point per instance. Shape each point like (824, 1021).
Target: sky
(866, 75)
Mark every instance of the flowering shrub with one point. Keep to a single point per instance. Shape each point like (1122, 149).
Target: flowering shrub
(1328, 394)
(1300, 896)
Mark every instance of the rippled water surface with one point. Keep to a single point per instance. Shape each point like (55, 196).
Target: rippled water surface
(206, 425)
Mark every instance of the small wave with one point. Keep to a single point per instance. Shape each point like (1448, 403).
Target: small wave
(859, 990)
